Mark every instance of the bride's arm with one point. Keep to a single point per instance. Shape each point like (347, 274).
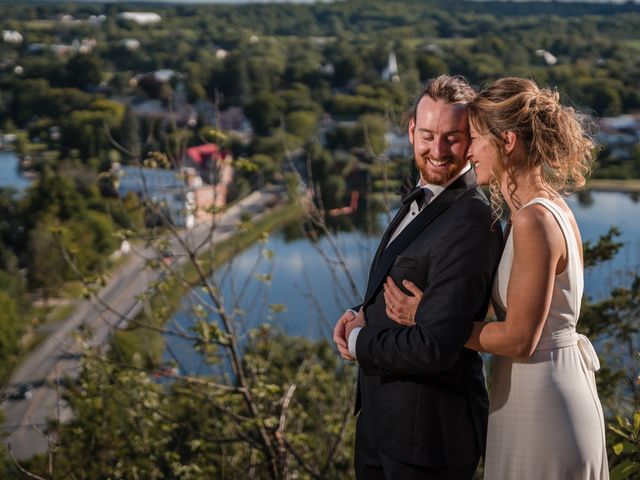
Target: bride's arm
(538, 245)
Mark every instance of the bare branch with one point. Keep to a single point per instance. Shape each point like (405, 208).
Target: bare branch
(20, 467)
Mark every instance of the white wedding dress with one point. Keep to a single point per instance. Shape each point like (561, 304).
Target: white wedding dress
(545, 418)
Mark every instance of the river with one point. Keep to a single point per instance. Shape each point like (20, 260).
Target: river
(307, 298)
(10, 175)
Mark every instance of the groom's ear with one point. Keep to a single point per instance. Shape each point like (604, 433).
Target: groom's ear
(412, 128)
(510, 140)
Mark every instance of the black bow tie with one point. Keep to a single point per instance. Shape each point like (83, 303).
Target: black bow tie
(410, 191)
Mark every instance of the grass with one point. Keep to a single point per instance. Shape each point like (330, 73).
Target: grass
(605, 185)
(61, 313)
(31, 25)
(141, 343)
(635, 43)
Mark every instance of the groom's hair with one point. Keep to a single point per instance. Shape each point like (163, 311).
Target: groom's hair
(445, 88)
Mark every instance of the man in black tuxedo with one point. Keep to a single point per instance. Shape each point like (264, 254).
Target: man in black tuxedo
(421, 395)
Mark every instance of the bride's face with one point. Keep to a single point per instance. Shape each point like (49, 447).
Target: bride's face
(483, 155)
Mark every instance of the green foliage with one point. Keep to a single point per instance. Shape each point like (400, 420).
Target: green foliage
(627, 448)
(46, 265)
(90, 240)
(276, 145)
(89, 130)
(604, 249)
(7, 469)
(84, 70)
(366, 134)
(10, 331)
(126, 425)
(302, 124)
(430, 66)
(121, 426)
(264, 112)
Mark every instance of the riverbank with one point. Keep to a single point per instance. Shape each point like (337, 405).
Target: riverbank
(608, 185)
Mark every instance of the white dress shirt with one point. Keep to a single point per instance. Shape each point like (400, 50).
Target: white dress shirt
(414, 209)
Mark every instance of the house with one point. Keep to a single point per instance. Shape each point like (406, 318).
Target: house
(214, 166)
(141, 18)
(181, 196)
(159, 107)
(548, 57)
(12, 36)
(619, 134)
(130, 44)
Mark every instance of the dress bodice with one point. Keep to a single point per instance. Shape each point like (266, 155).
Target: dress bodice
(560, 325)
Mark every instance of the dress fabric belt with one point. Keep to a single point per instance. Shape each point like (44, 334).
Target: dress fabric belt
(587, 352)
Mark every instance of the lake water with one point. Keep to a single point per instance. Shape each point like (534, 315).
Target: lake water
(10, 175)
(313, 296)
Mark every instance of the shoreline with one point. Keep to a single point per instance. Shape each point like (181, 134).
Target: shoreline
(610, 185)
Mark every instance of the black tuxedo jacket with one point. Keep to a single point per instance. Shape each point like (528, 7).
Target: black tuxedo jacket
(421, 394)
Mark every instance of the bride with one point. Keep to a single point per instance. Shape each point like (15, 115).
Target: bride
(545, 418)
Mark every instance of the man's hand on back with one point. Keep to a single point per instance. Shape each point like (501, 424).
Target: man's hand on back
(340, 334)
(357, 321)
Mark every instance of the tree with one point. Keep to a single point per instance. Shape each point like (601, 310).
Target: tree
(430, 66)
(84, 70)
(46, 266)
(10, 330)
(129, 136)
(301, 124)
(264, 112)
(90, 130)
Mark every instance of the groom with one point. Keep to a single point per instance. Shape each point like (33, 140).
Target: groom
(421, 394)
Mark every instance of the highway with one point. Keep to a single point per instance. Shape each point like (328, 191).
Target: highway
(58, 356)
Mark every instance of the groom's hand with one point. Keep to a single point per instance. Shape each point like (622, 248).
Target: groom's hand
(357, 321)
(340, 334)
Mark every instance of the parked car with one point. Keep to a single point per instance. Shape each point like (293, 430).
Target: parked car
(22, 391)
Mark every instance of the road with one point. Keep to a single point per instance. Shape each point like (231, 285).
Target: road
(58, 356)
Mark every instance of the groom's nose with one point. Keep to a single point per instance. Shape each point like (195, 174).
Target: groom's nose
(440, 148)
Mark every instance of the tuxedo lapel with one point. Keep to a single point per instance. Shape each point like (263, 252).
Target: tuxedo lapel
(386, 256)
(387, 234)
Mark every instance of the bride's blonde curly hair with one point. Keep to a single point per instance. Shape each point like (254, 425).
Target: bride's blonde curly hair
(556, 138)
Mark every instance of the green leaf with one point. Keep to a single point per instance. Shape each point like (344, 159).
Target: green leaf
(263, 277)
(624, 470)
(277, 308)
(618, 448)
(619, 432)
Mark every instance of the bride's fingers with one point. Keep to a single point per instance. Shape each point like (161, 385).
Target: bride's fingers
(391, 304)
(392, 315)
(395, 293)
(401, 313)
(413, 288)
(388, 300)
(398, 316)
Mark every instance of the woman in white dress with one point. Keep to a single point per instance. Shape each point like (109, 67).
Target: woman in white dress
(545, 418)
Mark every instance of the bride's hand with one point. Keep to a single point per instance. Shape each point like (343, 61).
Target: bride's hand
(401, 308)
